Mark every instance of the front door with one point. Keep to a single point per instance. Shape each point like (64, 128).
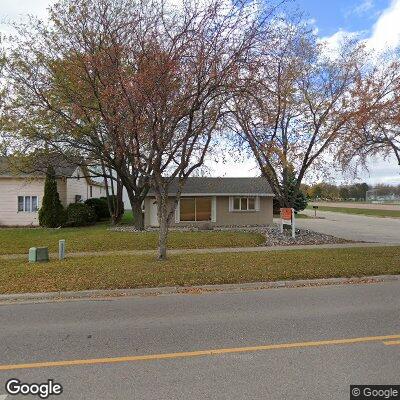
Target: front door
(153, 213)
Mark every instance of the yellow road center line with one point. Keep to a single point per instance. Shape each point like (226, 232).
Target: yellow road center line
(211, 352)
(392, 343)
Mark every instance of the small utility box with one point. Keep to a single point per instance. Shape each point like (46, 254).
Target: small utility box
(38, 254)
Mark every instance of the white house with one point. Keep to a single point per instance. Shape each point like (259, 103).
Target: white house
(21, 194)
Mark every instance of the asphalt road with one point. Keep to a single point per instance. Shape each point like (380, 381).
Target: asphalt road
(291, 322)
(353, 227)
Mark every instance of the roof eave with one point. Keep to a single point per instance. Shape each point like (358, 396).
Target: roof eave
(218, 194)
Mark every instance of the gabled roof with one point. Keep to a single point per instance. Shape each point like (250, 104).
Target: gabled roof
(222, 186)
(10, 168)
(62, 168)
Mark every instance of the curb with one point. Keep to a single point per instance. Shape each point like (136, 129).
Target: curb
(202, 289)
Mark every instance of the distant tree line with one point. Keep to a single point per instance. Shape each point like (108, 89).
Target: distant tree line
(352, 192)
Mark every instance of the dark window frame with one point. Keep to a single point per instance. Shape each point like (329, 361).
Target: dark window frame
(195, 209)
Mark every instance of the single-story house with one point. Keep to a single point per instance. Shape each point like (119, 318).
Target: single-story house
(21, 193)
(218, 202)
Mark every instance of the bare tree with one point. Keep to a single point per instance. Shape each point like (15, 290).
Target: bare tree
(188, 66)
(292, 104)
(140, 87)
(375, 128)
(70, 84)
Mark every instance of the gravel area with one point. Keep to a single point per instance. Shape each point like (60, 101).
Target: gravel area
(273, 236)
(124, 228)
(303, 236)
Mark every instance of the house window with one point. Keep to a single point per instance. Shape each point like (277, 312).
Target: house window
(195, 209)
(34, 203)
(27, 203)
(244, 203)
(21, 203)
(78, 198)
(91, 191)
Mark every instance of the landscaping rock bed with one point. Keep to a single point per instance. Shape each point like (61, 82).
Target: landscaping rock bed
(273, 236)
(303, 236)
(123, 228)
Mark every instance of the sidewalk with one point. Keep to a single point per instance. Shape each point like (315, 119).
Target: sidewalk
(208, 251)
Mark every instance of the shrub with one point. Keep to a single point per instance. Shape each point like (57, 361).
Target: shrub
(100, 207)
(80, 214)
(114, 199)
(299, 201)
(52, 213)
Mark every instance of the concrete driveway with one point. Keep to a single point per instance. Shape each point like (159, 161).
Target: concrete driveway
(353, 227)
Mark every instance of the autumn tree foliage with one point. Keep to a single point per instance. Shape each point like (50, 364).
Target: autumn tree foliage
(188, 69)
(142, 91)
(2, 89)
(375, 128)
(71, 81)
(292, 104)
(138, 87)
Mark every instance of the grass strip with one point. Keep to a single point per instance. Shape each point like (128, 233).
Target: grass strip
(124, 271)
(98, 238)
(360, 211)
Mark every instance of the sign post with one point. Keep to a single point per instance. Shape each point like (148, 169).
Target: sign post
(61, 249)
(287, 217)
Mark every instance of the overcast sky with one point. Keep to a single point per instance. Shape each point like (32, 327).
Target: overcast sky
(375, 21)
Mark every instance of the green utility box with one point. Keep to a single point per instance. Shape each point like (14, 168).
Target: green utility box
(38, 254)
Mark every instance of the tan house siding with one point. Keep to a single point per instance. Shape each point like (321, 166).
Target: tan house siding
(62, 190)
(12, 187)
(77, 184)
(262, 217)
(147, 203)
(97, 191)
(224, 217)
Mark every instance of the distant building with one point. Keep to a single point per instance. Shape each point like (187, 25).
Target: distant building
(383, 195)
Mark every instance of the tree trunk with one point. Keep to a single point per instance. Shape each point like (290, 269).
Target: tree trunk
(162, 212)
(136, 204)
(108, 196)
(110, 208)
(119, 206)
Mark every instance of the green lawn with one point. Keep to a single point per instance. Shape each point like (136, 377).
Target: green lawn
(360, 211)
(127, 218)
(19, 240)
(123, 271)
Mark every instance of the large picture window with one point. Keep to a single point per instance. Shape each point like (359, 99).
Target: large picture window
(27, 203)
(195, 209)
(244, 203)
